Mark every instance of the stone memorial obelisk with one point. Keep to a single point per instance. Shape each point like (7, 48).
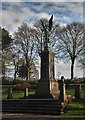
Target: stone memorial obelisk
(47, 66)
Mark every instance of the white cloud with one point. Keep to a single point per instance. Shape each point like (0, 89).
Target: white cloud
(43, 15)
(75, 7)
(73, 0)
(0, 17)
(12, 19)
(11, 0)
(46, 0)
(42, 0)
(53, 0)
(64, 69)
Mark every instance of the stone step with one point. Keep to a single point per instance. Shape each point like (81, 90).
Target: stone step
(57, 108)
(33, 106)
(32, 102)
(37, 108)
(45, 112)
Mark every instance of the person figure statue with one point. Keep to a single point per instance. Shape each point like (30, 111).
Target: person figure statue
(46, 32)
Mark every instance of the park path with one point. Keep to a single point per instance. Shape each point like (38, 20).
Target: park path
(24, 117)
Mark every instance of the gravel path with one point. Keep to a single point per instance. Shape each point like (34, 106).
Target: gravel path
(24, 117)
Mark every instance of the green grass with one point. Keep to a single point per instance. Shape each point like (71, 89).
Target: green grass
(71, 90)
(16, 94)
(67, 118)
(4, 93)
(75, 108)
(83, 90)
(74, 111)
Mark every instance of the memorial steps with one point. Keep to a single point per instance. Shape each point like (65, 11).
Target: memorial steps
(33, 106)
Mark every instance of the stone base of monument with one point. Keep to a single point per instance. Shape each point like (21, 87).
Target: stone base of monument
(48, 89)
(45, 101)
(43, 90)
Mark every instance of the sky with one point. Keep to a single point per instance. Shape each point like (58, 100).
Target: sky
(42, 0)
(15, 12)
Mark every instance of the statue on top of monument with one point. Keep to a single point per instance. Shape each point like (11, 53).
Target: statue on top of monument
(50, 23)
(46, 31)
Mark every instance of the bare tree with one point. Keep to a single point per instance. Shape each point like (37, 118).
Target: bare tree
(82, 58)
(25, 39)
(16, 62)
(69, 45)
(22, 71)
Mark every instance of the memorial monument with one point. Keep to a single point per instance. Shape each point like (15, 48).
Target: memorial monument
(50, 96)
(47, 80)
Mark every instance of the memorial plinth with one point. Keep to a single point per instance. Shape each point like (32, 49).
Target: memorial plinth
(47, 73)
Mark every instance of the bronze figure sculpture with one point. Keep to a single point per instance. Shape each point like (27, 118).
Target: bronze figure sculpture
(46, 31)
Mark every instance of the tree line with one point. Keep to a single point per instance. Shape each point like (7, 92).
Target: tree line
(23, 49)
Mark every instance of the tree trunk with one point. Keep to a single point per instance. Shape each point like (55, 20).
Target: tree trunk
(16, 70)
(15, 75)
(29, 73)
(72, 69)
(3, 70)
(27, 63)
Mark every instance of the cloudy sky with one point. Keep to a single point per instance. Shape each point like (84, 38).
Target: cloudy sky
(42, 0)
(15, 13)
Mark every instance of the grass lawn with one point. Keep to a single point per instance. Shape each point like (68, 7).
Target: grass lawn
(71, 90)
(20, 93)
(74, 111)
(76, 108)
(16, 93)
